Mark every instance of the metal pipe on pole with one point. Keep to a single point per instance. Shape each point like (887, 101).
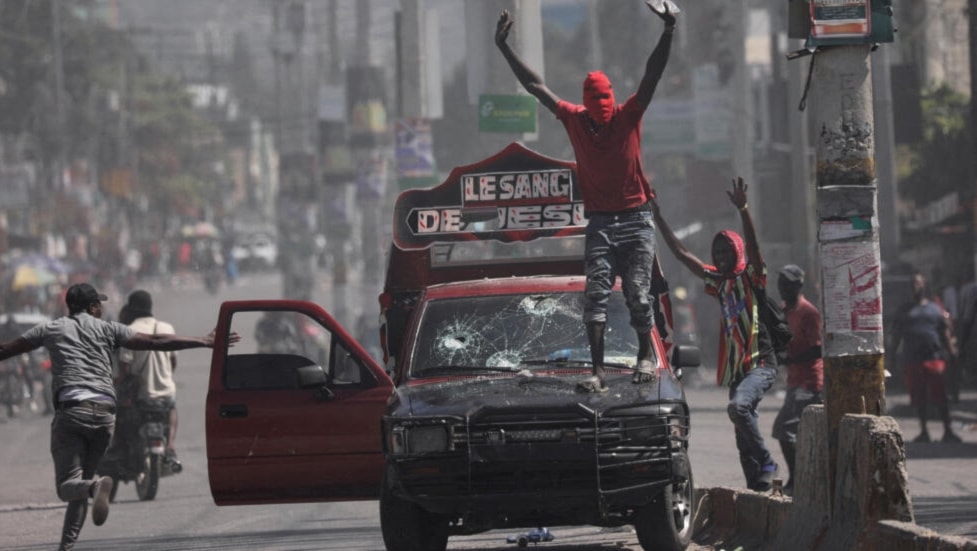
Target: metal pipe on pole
(885, 158)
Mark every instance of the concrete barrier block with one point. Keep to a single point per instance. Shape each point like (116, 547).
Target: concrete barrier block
(806, 518)
(715, 516)
(751, 514)
(871, 483)
(811, 493)
(778, 511)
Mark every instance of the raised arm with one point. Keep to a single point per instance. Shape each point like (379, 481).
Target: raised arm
(738, 197)
(678, 249)
(530, 80)
(157, 341)
(14, 348)
(655, 65)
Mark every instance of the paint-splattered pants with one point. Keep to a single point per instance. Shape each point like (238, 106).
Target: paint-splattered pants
(620, 245)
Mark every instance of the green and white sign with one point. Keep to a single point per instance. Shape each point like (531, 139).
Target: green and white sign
(514, 114)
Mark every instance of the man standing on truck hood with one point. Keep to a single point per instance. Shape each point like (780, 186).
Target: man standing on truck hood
(620, 239)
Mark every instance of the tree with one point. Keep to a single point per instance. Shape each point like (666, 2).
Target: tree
(176, 147)
(941, 163)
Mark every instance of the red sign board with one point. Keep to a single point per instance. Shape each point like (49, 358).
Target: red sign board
(515, 195)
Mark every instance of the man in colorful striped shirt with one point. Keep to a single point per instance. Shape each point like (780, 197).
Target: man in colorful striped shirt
(747, 361)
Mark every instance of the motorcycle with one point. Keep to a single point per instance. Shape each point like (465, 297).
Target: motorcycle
(138, 450)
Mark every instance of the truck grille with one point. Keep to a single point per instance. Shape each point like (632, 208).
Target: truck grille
(561, 451)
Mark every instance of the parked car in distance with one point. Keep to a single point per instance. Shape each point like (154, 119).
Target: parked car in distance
(255, 251)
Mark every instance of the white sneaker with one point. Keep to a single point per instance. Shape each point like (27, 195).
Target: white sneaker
(101, 491)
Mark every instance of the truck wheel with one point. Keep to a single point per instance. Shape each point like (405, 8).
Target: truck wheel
(666, 523)
(523, 541)
(147, 481)
(408, 527)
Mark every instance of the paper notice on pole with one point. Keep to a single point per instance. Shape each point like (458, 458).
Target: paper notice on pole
(852, 287)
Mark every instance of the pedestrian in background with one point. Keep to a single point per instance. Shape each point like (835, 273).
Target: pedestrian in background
(747, 360)
(920, 327)
(153, 369)
(81, 346)
(805, 368)
(620, 236)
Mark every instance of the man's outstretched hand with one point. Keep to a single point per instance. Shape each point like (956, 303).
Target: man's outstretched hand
(667, 16)
(502, 28)
(738, 194)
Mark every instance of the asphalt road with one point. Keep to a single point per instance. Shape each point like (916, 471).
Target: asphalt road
(184, 517)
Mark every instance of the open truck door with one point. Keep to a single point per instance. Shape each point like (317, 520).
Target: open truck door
(293, 410)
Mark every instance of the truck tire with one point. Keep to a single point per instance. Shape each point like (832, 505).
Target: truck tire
(666, 523)
(408, 527)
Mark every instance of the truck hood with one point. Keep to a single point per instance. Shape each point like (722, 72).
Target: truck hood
(464, 396)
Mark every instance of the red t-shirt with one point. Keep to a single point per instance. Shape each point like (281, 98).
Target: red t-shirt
(805, 325)
(608, 162)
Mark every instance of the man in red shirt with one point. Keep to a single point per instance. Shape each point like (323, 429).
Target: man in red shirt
(620, 240)
(805, 370)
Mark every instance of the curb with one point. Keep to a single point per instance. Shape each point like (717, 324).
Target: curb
(871, 508)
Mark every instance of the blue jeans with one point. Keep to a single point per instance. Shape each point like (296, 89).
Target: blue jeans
(744, 397)
(79, 437)
(620, 245)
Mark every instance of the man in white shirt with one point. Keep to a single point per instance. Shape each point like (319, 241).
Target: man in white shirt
(153, 368)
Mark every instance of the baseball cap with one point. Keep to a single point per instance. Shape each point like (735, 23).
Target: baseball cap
(81, 295)
(793, 272)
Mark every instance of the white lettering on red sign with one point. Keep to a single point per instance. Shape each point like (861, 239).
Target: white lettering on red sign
(438, 221)
(541, 216)
(516, 187)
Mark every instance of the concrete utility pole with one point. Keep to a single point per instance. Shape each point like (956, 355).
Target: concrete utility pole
(972, 27)
(61, 162)
(848, 237)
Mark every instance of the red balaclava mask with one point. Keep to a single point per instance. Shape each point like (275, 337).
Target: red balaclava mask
(598, 97)
(736, 265)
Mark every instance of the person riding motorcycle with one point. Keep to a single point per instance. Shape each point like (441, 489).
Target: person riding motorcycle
(149, 372)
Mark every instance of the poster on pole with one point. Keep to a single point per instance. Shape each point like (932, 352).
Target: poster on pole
(415, 153)
(852, 279)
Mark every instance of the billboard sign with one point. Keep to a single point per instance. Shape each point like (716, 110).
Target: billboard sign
(514, 113)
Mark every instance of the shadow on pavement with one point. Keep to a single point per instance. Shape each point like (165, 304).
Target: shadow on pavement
(941, 513)
(939, 450)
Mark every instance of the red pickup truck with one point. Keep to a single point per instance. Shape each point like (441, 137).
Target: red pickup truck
(473, 421)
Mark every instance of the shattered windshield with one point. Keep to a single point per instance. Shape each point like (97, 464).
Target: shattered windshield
(514, 332)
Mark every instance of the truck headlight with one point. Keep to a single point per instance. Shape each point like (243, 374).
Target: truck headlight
(430, 439)
(419, 439)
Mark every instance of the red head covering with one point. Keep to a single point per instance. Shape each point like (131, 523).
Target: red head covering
(736, 242)
(598, 96)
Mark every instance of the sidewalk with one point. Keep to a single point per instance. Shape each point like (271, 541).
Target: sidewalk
(963, 414)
